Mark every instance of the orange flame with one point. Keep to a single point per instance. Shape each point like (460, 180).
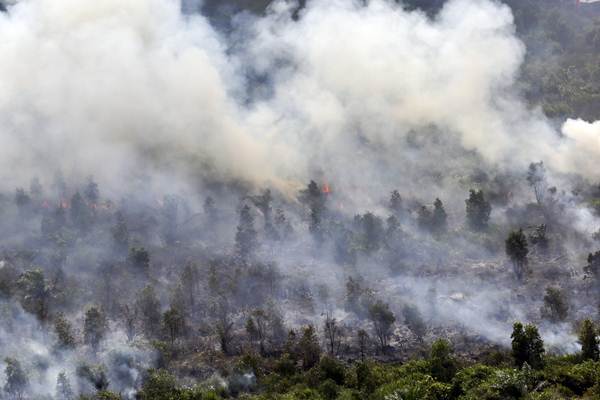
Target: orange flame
(326, 188)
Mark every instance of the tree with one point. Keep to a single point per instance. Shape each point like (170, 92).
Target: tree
(120, 232)
(371, 231)
(36, 189)
(256, 327)
(414, 321)
(555, 306)
(424, 218)
(333, 333)
(383, 320)
(363, 342)
(174, 323)
(91, 192)
(22, 200)
(160, 385)
(80, 215)
(189, 281)
(223, 324)
(527, 346)
(129, 318)
(210, 210)
(588, 339)
(540, 238)
(284, 227)
(478, 210)
(64, 333)
(536, 177)
(94, 327)
(395, 203)
(593, 265)
(517, 250)
(442, 363)
(16, 379)
(439, 218)
(263, 203)
(170, 214)
(63, 388)
(139, 258)
(314, 199)
(36, 293)
(310, 350)
(148, 306)
(246, 237)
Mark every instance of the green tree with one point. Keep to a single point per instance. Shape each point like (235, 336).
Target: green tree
(148, 307)
(139, 259)
(314, 198)
(120, 232)
(22, 200)
(588, 338)
(246, 240)
(517, 250)
(556, 307)
(441, 360)
(17, 381)
(383, 320)
(160, 385)
(414, 321)
(395, 203)
(64, 332)
(36, 293)
(527, 346)
(91, 192)
(256, 327)
(478, 210)
(174, 323)
(363, 342)
(95, 326)
(80, 213)
(371, 232)
(333, 333)
(439, 218)
(63, 388)
(189, 281)
(309, 348)
(593, 265)
(424, 217)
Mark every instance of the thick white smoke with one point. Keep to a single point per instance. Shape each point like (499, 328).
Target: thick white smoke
(108, 87)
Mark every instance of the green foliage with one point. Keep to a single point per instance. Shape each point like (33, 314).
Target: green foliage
(16, 379)
(383, 320)
(517, 250)
(35, 293)
(246, 239)
(478, 210)
(309, 347)
(414, 321)
(415, 386)
(441, 359)
(527, 346)
(94, 327)
(588, 338)
(64, 332)
(555, 306)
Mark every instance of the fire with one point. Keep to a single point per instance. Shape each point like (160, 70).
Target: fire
(326, 188)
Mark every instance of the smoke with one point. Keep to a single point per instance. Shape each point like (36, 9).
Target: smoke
(111, 88)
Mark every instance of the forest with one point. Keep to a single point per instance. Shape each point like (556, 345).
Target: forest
(320, 200)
